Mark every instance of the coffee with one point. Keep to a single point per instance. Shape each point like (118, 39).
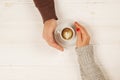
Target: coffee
(67, 33)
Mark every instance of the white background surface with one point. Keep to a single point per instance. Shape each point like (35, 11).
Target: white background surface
(24, 55)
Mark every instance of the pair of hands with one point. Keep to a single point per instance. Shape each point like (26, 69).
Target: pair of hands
(83, 37)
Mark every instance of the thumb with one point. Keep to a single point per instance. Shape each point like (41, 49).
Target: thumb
(78, 33)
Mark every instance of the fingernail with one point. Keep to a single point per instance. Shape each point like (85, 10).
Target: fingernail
(77, 29)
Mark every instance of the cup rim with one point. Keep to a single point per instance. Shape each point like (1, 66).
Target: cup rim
(69, 28)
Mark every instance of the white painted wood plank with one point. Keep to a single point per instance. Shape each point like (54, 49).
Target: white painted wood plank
(108, 57)
(25, 55)
(43, 72)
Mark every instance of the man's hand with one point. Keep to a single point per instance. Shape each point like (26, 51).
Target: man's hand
(48, 33)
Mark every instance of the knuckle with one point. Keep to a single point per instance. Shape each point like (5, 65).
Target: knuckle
(50, 40)
(51, 43)
(47, 38)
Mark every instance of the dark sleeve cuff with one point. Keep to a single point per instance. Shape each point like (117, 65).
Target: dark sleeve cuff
(46, 8)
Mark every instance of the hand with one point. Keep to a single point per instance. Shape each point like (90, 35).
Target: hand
(83, 37)
(48, 33)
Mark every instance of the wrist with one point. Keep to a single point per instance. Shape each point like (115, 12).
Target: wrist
(50, 20)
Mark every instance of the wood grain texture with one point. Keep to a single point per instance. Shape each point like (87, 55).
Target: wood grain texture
(24, 55)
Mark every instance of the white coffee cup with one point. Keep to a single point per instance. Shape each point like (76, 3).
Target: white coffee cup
(70, 34)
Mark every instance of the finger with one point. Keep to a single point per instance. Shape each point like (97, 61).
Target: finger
(55, 45)
(83, 30)
(85, 35)
(78, 32)
(79, 37)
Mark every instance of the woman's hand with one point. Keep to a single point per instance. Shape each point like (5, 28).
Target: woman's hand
(83, 37)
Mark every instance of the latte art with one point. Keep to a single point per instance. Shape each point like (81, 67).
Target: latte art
(67, 33)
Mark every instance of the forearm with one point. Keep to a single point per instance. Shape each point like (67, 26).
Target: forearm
(89, 69)
(46, 8)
